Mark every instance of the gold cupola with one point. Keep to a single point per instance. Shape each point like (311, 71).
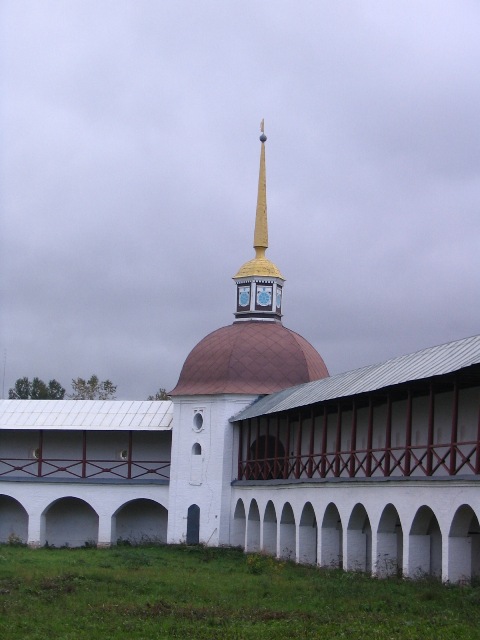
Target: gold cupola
(259, 281)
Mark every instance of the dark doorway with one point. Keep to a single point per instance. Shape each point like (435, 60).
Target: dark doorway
(193, 524)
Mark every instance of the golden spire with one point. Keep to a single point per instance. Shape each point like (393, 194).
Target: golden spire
(260, 265)
(260, 237)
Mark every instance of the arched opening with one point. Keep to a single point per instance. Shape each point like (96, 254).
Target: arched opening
(239, 525)
(331, 545)
(359, 541)
(267, 457)
(307, 536)
(253, 528)
(425, 545)
(13, 521)
(193, 524)
(389, 561)
(464, 546)
(287, 543)
(140, 521)
(269, 544)
(196, 463)
(70, 522)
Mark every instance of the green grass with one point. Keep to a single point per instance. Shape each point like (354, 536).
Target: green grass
(134, 593)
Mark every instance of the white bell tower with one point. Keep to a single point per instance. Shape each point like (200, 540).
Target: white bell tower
(215, 384)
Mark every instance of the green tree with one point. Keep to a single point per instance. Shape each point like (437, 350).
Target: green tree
(36, 390)
(93, 389)
(160, 395)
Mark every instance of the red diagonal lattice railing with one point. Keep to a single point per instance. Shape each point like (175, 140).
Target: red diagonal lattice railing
(84, 469)
(392, 461)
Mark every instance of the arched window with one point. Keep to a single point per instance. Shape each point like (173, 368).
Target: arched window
(196, 464)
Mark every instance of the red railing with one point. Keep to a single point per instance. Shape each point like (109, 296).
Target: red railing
(421, 460)
(82, 469)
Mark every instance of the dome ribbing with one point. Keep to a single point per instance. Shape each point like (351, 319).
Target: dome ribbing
(249, 358)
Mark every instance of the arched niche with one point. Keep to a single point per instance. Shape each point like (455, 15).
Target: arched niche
(70, 522)
(140, 521)
(270, 529)
(359, 541)
(287, 540)
(13, 521)
(331, 539)
(389, 559)
(425, 545)
(253, 528)
(307, 535)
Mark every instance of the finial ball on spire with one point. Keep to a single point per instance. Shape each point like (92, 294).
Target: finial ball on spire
(263, 137)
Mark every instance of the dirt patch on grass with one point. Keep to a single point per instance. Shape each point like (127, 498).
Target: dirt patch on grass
(177, 611)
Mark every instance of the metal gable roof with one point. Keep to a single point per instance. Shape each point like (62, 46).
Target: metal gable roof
(100, 415)
(434, 361)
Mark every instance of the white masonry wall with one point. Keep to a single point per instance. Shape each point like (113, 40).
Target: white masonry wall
(430, 535)
(203, 479)
(87, 512)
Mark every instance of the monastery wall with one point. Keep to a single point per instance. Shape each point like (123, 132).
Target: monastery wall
(75, 514)
(416, 527)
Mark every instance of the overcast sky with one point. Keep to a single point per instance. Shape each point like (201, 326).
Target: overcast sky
(129, 168)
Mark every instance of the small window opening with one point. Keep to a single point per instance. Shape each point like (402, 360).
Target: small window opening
(198, 421)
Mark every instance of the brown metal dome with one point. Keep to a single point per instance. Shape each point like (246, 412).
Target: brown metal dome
(250, 358)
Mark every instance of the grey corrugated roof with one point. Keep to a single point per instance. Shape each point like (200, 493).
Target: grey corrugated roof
(433, 361)
(101, 415)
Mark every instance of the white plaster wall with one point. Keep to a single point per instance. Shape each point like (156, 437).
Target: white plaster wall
(475, 556)
(287, 545)
(419, 563)
(18, 446)
(386, 554)
(237, 536)
(252, 539)
(355, 550)
(148, 445)
(307, 544)
(70, 522)
(444, 497)
(269, 539)
(16, 443)
(13, 520)
(62, 444)
(460, 559)
(104, 499)
(330, 547)
(140, 521)
(218, 466)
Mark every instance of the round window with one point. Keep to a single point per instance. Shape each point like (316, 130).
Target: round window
(198, 421)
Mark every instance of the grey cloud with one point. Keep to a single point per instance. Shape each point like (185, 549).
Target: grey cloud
(129, 174)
